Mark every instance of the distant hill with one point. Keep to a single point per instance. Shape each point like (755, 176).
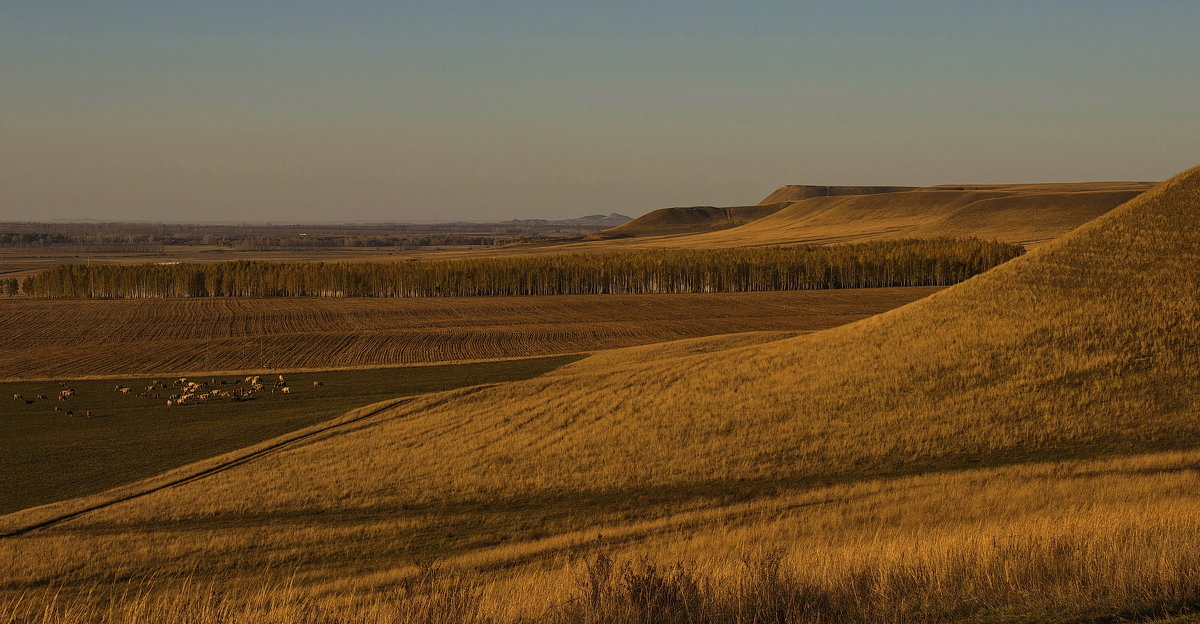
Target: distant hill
(697, 219)
(1022, 213)
(687, 220)
(797, 192)
(599, 220)
(1030, 214)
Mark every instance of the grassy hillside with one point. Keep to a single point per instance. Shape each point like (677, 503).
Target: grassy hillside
(1052, 402)
(73, 338)
(796, 192)
(687, 220)
(48, 455)
(1029, 214)
(694, 219)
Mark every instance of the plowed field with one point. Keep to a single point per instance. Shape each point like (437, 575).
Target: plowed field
(64, 338)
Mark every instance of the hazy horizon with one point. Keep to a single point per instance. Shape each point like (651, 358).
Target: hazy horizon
(315, 112)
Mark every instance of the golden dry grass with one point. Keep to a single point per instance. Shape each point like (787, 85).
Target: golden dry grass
(1029, 214)
(1065, 541)
(1042, 398)
(82, 338)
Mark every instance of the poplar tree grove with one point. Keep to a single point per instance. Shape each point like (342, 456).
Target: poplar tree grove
(909, 262)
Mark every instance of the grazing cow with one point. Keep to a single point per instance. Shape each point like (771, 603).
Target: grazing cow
(317, 384)
(57, 408)
(42, 397)
(64, 394)
(70, 413)
(123, 390)
(17, 397)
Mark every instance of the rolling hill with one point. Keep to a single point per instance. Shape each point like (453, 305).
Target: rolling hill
(796, 192)
(694, 219)
(1019, 444)
(687, 219)
(1029, 214)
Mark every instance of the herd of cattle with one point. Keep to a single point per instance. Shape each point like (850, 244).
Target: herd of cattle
(182, 392)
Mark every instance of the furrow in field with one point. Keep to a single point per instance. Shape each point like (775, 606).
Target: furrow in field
(64, 338)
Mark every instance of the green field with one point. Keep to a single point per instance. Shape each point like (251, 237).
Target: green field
(46, 455)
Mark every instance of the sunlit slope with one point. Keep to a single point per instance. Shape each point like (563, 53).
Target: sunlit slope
(696, 219)
(1086, 346)
(1030, 214)
(1024, 215)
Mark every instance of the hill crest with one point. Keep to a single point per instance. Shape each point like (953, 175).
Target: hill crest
(797, 192)
(688, 220)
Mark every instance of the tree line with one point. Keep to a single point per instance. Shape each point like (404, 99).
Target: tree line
(926, 262)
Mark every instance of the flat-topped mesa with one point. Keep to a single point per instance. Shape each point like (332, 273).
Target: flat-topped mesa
(797, 192)
(1049, 187)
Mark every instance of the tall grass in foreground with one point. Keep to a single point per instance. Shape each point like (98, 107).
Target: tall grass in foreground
(1100, 567)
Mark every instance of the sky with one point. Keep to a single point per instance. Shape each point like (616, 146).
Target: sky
(305, 111)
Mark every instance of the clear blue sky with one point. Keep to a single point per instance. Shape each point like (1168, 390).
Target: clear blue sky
(303, 111)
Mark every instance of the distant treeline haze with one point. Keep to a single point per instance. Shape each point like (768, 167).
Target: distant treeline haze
(118, 242)
(860, 265)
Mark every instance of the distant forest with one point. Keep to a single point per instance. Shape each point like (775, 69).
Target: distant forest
(859, 265)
